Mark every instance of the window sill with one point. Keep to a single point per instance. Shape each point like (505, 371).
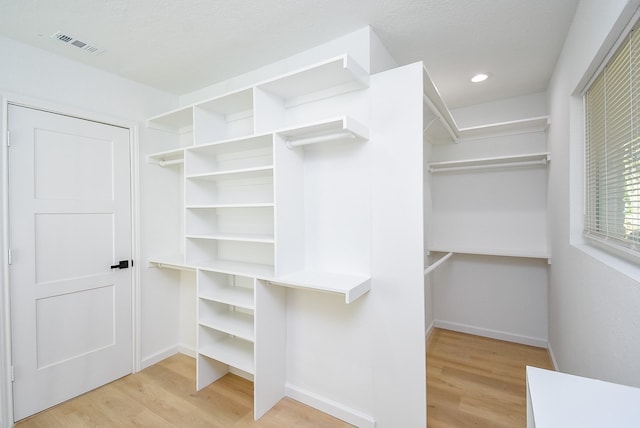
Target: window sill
(625, 267)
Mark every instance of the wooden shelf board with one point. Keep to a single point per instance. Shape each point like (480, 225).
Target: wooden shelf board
(231, 351)
(231, 322)
(351, 286)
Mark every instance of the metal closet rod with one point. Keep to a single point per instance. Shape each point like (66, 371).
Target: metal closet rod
(295, 142)
(438, 262)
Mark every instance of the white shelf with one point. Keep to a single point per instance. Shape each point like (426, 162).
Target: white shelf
(327, 78)
(167, 157)
(351, 286)
(521, 126)
(441, 113)
(177, 121)
(323, 131)
(232, 145)
(235, 296)
(170, 262)
(233, 103)
(236, 268)
(231, 322)
(232, 351)
(491, 162)
(241, 237)
(264, 171)
(499, 252)
(214, 206)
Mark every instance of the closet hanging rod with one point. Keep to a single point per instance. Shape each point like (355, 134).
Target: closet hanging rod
(488, 166)
(166, 163)
(302, 141)
(434, 266)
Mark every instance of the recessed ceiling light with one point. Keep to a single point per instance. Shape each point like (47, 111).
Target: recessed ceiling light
(480, 77)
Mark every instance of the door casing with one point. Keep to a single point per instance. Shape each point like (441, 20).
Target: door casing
(6, 386)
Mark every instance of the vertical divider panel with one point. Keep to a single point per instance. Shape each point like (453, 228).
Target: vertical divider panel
(270, 318)
(207, 370)
(269, 111)
(207, 126)
(289, 208)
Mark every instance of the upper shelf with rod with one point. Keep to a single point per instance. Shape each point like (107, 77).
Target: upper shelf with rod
(341, 128)
(442, 127)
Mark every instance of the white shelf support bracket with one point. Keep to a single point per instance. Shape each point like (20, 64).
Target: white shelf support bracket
(295, 142)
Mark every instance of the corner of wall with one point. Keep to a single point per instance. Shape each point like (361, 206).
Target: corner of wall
(380, 57)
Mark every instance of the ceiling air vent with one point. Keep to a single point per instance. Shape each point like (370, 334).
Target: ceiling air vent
(70, 40)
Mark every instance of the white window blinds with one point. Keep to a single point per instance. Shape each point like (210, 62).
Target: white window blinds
(612, 114)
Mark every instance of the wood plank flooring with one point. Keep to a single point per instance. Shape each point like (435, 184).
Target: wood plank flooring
(471, 381)
(164, 395)
(475, 381)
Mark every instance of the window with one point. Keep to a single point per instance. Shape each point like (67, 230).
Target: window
(612, 125)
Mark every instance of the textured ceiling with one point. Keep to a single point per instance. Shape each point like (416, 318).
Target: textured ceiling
(181, 45)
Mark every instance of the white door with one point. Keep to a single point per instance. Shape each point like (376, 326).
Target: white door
(69, 223)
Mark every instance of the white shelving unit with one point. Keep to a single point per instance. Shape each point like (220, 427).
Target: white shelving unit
(483, 212)
(243, 159)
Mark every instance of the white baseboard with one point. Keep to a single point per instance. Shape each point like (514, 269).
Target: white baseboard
(187, 350)
(333, 408)
(494, 334)
(553, 358)
(159, 356)
(429, 330)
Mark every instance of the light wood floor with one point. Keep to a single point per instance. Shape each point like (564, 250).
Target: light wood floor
(471, 381)
(164, 395)
(474, 381)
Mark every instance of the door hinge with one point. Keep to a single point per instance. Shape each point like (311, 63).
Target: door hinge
(8, 138)
(9, 256)
(13, 374)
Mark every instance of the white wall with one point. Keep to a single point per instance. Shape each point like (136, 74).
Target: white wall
(594, 302)
(36, 77)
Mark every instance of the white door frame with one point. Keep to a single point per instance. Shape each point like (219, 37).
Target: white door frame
(6, 385)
